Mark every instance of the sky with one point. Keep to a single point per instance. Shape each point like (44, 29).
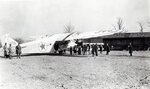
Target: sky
(23, 18)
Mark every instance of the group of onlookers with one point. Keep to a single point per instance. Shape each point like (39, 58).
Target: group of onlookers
(8, 51)
(88, 49)
(93, 49)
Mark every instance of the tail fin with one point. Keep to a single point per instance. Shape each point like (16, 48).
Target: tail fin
(6, 39)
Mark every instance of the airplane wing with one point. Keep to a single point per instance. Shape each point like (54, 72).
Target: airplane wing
(92, 34)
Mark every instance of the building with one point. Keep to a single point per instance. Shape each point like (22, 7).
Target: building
(120, 41)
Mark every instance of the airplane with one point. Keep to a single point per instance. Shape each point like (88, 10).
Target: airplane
(56, 43)
(48, 44)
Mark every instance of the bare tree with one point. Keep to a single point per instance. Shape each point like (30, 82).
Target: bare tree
(141, 26)
(119, 26)
(69, 28)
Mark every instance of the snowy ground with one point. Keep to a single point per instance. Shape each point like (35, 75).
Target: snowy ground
(114, 71)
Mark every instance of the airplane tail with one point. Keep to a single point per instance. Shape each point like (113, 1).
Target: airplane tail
(6, 39)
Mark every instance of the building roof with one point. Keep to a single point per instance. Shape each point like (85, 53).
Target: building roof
(128, 35)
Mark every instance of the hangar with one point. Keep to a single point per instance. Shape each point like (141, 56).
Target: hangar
(120, 41)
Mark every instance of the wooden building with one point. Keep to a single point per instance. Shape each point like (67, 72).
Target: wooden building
(120, 41)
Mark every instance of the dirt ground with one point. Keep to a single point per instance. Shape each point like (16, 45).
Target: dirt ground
(114, 71)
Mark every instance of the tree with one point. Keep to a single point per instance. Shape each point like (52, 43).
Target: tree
(119, 26)
(69, 28)
(141, 26)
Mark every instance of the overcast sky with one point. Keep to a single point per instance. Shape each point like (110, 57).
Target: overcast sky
(35, 17)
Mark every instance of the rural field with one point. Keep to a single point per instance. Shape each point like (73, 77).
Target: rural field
(115, 71)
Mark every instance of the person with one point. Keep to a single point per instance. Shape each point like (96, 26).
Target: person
(95, 49)
(92, 51)
(18, 51)
(10, 51)
(130, 49)
(79, 50)
(88, 48)
(5, 48)
(101, 49)
(84, 49)
(64, 51)
(107, 49)
(70, 50)
(75, 50)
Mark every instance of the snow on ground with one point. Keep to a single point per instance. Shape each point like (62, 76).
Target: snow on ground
(114, 71)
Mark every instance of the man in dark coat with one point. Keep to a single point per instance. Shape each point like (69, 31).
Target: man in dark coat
(84, 49)
(101, 49)
(88, 48)
(130, 49)
(70, 50)
(95, 49)
(79, 50)
(92, 51)
(107, 49)
(75, 50)
(18, 51)
(5, 48)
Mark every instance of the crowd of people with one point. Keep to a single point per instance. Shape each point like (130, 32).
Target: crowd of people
(93, 49)
(8, 51)
(87, 49)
